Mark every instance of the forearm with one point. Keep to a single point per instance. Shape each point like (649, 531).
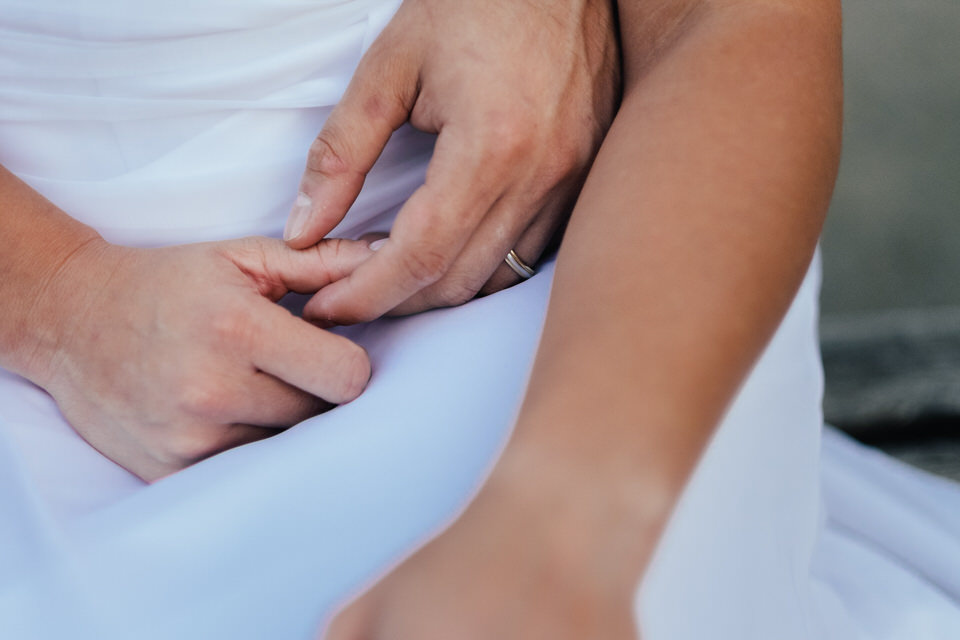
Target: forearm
(689, 240)
(37, 242)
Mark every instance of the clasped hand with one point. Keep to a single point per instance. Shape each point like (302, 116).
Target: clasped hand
(521, 95)
(171, 355)
(199, 360)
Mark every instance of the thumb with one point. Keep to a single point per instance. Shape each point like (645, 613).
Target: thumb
(376, 103)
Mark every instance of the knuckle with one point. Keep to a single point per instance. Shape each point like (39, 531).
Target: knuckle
(457, 291)
(231, 326)
(327, 155)
(386, 103)
(425, 264)
(355, 372)
(511, 137)
(333, 257)
(203, 398)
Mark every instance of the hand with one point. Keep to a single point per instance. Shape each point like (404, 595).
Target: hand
(167, 356)
(511, 568)
(521, 94)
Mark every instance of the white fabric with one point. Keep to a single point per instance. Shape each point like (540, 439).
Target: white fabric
(175, 121)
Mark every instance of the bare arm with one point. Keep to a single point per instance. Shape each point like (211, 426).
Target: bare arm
(688, 242)
(37, 241)
(161, 357)
(690, 238)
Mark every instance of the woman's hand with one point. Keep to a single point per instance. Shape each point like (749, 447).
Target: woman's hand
(162, 357)
(521, 94)
(524, 562)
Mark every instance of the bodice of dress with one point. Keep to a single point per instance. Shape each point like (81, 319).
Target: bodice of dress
(166, 122)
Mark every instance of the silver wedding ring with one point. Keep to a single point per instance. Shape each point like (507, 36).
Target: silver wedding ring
(519, 267)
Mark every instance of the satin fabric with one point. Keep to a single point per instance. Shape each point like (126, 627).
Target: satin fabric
(176, 122)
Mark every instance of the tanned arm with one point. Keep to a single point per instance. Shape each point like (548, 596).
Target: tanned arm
(690, 239)
(697, 223)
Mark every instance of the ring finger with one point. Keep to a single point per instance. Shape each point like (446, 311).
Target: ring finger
(481, 266)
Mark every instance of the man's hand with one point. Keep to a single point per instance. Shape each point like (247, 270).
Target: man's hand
(521, 95)
(162, 357)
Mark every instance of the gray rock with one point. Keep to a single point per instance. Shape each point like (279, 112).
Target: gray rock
(889, 370)
(893, 380)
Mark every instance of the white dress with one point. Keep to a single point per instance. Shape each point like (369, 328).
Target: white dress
(176, 121)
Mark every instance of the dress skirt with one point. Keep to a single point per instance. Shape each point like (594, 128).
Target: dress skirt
(172, 122)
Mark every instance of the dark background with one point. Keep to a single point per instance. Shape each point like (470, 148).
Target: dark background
(891, 247)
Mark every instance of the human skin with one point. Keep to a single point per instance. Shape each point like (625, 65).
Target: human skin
(692, 234)
(520, 93)
(162, 357)
(158, 375)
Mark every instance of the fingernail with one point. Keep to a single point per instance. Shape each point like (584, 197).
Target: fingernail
(298, 217)
(376, 244)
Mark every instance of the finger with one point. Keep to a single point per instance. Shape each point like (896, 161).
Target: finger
(430, 231)
(543, 235)
(318, 362)
(277, 269)
(271, 402)
(529, 247)
(377, 101)
(482, 260)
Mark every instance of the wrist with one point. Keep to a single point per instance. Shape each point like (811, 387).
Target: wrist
(602, 521)
(49, 298)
